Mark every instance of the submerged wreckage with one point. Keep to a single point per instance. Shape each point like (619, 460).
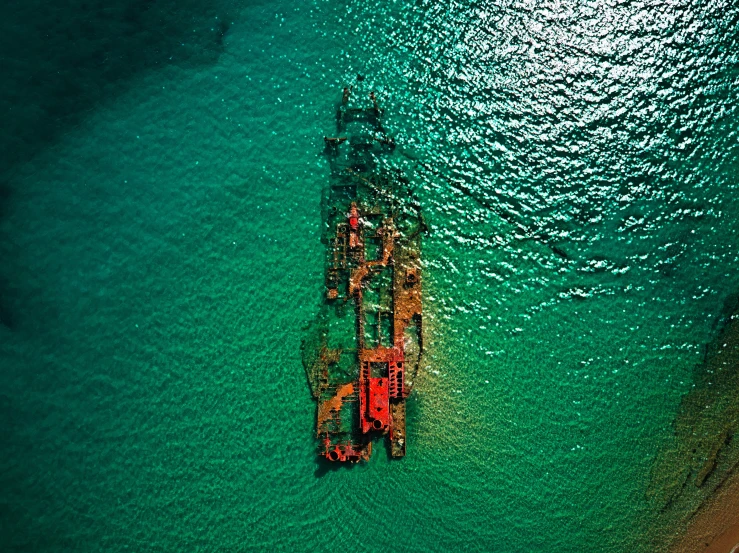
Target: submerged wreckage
(364, 349)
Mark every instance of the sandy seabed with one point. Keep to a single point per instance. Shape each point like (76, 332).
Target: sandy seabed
(715, 527)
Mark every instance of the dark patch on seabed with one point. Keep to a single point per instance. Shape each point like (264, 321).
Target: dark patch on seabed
(704, 451)
(6, 317)
(62, 58)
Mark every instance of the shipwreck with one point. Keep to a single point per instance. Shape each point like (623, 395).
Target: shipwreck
(363, 351)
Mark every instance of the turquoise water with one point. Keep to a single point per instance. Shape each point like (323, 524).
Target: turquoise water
(161, 256)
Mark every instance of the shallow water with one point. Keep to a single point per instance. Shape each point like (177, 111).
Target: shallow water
(578, 168)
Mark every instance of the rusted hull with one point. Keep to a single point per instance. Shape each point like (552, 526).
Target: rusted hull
(364, 349)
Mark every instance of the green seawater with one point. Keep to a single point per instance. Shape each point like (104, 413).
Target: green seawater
(160, 257)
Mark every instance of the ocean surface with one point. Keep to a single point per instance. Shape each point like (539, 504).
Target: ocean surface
(162, 168)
